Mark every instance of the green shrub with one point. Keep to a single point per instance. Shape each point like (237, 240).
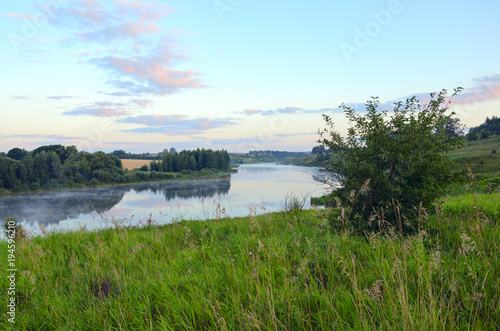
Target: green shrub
(93, 182)
(391, 167)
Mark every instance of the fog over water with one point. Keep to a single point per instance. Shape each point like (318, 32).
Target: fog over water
(257, 187)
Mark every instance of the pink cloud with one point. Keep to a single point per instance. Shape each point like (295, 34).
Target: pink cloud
(142, 102)
(145, 10)
(154, 73)
(174, 124)
(155, 119)
(485, 88)
(26, 16)
(60, 97)
(95, 16)
(121, 31)
(91, 20)
(251, 111)
(100, 109)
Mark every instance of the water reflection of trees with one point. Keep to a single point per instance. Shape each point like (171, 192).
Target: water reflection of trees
(206, 188)
(53, 207)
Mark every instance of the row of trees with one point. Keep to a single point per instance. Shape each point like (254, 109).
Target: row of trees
(192, 161)
(490, 127)
(56, 166)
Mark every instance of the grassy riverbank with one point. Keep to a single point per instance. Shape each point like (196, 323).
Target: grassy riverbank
(285, 270)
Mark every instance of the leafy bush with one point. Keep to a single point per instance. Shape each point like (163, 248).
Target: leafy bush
(142, 175)
(391, 166)
(206, 172)
(93, 182)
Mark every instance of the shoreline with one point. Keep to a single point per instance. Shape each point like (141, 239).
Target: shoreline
(217, 175)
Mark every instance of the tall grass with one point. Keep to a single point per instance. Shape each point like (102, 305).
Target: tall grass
(286, 271)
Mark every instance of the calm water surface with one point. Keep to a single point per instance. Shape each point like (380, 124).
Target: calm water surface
(256, 187)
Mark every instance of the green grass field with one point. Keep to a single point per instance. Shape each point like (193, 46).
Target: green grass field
(286, 271)
(482, 155)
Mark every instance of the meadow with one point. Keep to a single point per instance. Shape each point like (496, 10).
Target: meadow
(287, 270)
(483, 155)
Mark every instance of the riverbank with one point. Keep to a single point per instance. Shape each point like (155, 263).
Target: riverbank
(178, 176)
(284, 270)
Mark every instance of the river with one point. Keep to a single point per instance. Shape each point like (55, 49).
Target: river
(255, 188)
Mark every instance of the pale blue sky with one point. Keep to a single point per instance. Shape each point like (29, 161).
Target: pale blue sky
(235, 74)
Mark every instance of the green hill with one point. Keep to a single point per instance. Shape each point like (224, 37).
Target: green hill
(482, 155)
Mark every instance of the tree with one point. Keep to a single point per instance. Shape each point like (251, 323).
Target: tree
(17, 154)
(192, 163)
(454, 128)
(388, 168)
(484, 133)
(489, 127)
(41, 166)
(320, 149)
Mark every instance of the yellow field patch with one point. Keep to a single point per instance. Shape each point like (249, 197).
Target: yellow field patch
(134, 164)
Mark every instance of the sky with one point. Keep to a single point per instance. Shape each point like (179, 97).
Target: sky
(241, 75)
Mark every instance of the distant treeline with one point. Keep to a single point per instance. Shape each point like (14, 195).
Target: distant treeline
(144, 156)
(57, 166)
(491, 126)
(192, 160)
(277, 153)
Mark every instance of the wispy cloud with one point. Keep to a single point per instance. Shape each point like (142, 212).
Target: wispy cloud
(486, 88)
(175, 124)
(100, 109)
(21, 16)
(61, 97)
(144, 10)
(286, 110)
(142, 102)
(252, 111)
(108, 108)
(284, 135)
(51, 137)
(126, 30)
(21, 97)
(118, 20)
